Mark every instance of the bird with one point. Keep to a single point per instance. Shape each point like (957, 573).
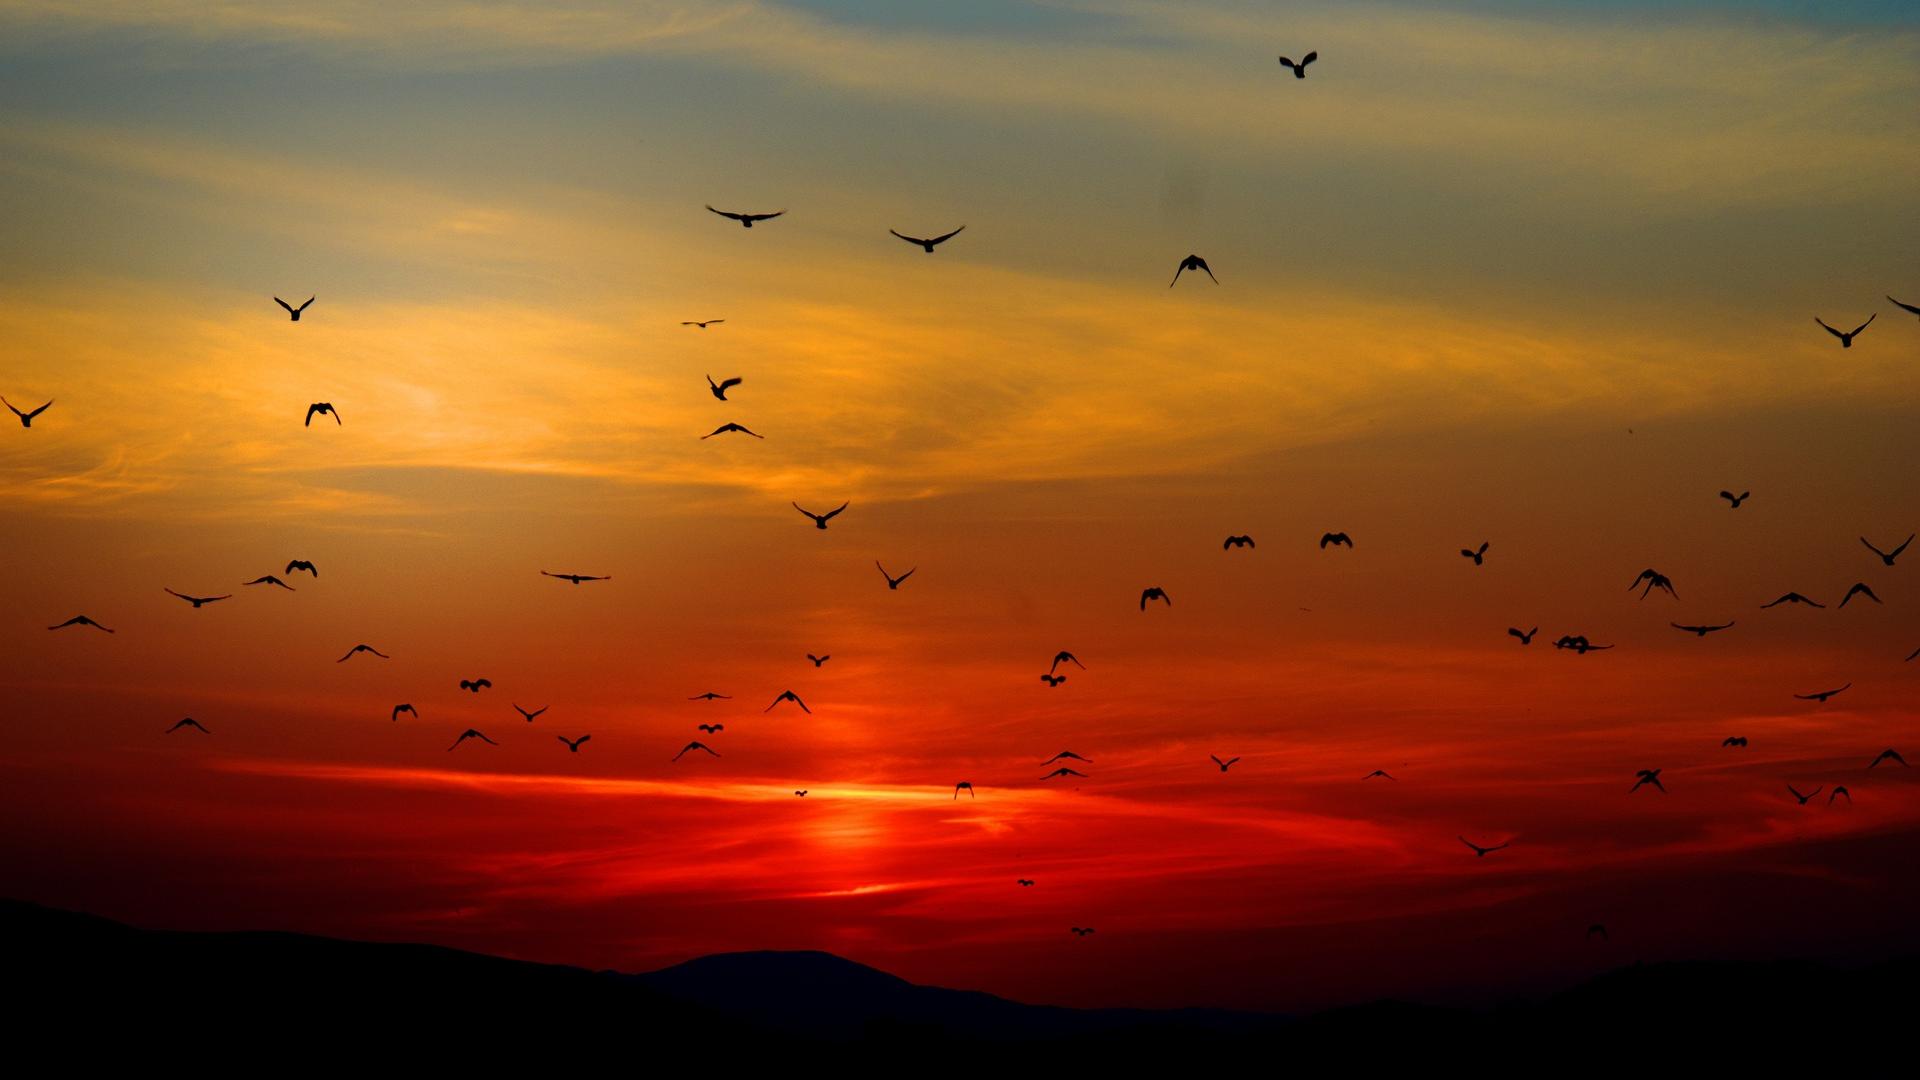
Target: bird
(1839, 790)
(1888, 556)
(696, 745)
(930, 244)
(1859, 589)
(1479, 557)
(1911, 655)
(470, 733)
(1065, 754)
(1846, 336)
(1526, 638)
(1081, 931)
(1154, 593)
(1053, 680)
(324, 408)
(79, 620)
(788, 695)
(719, 389)
(1734, 740)
(1905, 307)
(702, 323)
(1064, 771)
(1736, 500)
(1300, 69)
(820, 520)
(1820, 697)
(1065, 657)
(1382, 773)
(578, 578)
(724, 428)
(398, 709)
(1482, 852)
(1336, 539)
(1702, 631)
(474, 686)
(269, 579)
(1232, 542)
(1025, 883)
(802, 792)
(1803, 798)
(301, 564)
(819, 660)
(711, 696)
(1224, 765)
(197, 601)
(1793, 598)
(1192, 262)
(291, 310)
(1654, 579)
(573, 745)
(1648, 776)
(968, 784)
(1579, 644)
(26, 418)
(1889, 754)
(893, 582)
(361, 649)
(528, 715)
(746, 220)
(713, 729)
(188, 722)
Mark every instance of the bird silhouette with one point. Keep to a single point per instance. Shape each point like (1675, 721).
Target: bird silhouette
(79, 620)
(578, 578)
(1736, 500)
(1846, 336)
(524, 713)
(1192, 262)
(1889, 754)
(1053, 680)
(820, 520)
(1803, 798)
(692, 746)
(1081, 931)
(197, 601)
(269, 579)
(1702, 631)
(474, 686)
(188, 722)
(1335, 538)
(1224, 765)
(968, 784)
(1859, 589)
(291, 310)
(1526, 638)
(703, 324)
(1888, 556)
(1479, 556)
(719, 389)
(1482, 851)
(1839, 790)
(1734, 740)
(1381, 773)
(324, 408)
(788, 695)
(1648, 776)
(893, 582)
(1822, 696)
(711, 696)
(802, 792)
(1597, 930)
(724, 428)
(398, 709)
(929, 245)
(747, 220)
(1653, 579)
(26, 418)
(1025, 883)
(1300, 69)
(1579, 644)
(1064, 771)
(1066, 754)
(361, 649)
(819, 660)
(1154, 593)
(470, 733)
(713, 729)
(301, 564)
(1793, 598)
(1905, 307)
(573, 745)
(1065, 657)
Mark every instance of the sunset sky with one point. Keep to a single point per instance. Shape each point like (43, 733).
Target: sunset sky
(1542, 275)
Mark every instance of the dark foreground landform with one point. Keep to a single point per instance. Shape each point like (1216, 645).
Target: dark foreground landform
(96, 991)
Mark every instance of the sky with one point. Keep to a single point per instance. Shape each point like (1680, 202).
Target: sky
(1537, 275)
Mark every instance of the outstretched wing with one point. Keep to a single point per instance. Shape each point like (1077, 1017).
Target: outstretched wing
(944, 237)
(725, 214)
(727, 383)
(284, 304)
(1827, 328)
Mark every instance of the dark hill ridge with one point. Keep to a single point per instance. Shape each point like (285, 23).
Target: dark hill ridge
(104, 992)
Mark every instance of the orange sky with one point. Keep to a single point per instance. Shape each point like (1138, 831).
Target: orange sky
(1464, 297)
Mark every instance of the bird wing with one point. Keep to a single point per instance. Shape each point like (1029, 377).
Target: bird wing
(311, 409)
(1871, 548)
(1176, 274)
(283, 304)
(725, 383)
(763, 217)
(1828, 329)
(1309, 58)
(1896, 551)
(1866, 324)
(908, 239)
(943, 238)
(724, 213)
(835, 512)
(38, 411)
(1286, 63)
(1907, 307)
(306, 305)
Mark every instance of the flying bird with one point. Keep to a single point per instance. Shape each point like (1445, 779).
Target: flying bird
(788, 695)
(1154, 593)
(929, 245)
(1579, 644)
(196, 601)
(703, 324)
(291, 310)
(528, 715)
(1479, 557)
(724, 428)
(1859, 589)
(1381, 773)
(713, 729)
(1889, 754)
(1065, 657)
(1803, 798)
(398, 709)
(1064, 771)
(1846, 336)
(324, 408)
(802, 792)
(819, 660)
(1702, 631)
(301, 564)
(470, 733)
(1081, 931)
(1648, 776)
(1232, 542)
(1053, 680)
(1526, 638)
(696, 745)
(1224, 765)
(1820, 697)
(1736, 500)
(1839, 790)
(1300, 69)
(1734, 740)
(188, 722)
(1335, 538)
(79, 620)
(968, 784)
(711, 696)
(1793, 598)
(474, 686)
(1482, 851)
(573, 745)
(1192, 262)
(1065, 754)
(1654, 579)
(1025, 883)
(820, 520)
(1888, 556)
(893, 582)
(746, 220)
(578, 578)
(269, 579)
(26, 418)
(361, 649)
(719, 389)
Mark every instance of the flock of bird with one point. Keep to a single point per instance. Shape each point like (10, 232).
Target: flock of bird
(1648, 581)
